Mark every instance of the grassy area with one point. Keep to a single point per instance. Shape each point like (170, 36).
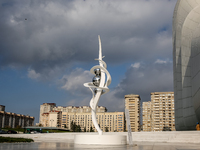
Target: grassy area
(11, 140)
(54, 131)
(15, 129)
(43, 130)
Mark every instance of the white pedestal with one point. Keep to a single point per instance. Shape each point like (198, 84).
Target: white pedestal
(101, 139)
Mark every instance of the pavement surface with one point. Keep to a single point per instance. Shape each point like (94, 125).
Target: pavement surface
(184, 140)
(71, 146)
(160, 137)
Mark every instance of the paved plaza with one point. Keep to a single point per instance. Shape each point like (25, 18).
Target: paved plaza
(172, 140)
(160, 137)
(70, 146)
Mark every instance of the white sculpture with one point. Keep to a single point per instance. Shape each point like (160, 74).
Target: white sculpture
(98, 86)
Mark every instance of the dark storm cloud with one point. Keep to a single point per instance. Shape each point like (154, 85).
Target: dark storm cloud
(56, 41)
(48, 36)
(147, 78)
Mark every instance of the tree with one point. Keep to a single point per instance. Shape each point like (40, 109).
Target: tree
(106, 129)
(84, 129)
(73, 126)
(91, 129)
(18, 127)
(167, 129)
(141, 127)
(65, 126)
(40, 125)
(78, 128)
(7, 126)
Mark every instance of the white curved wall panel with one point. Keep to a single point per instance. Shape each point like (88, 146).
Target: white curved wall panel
(186, 48)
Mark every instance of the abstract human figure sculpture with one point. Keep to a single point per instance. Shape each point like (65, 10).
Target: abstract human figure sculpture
(99, 86)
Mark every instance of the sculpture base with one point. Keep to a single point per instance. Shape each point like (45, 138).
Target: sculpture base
(101, 139)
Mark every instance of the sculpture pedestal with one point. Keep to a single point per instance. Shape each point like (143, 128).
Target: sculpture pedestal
(101, 139)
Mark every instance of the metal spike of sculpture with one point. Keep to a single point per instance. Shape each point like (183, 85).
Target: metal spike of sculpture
(99, 86)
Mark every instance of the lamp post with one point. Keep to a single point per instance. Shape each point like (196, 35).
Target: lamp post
(51, 124)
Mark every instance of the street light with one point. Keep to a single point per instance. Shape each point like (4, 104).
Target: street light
(51, 124)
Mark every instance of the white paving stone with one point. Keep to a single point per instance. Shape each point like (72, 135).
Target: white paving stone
(167, 136)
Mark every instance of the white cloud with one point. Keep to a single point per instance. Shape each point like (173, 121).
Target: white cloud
(135, 65)
(48, 73)
(159, 61)
(74, 81)
(33, 75)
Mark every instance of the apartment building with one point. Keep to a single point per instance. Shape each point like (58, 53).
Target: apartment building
(112, 121)
(162, 108)
(146, 116)
(52, 119)
(79, 109)
(132, 103)
(13, 120)
(45, 108)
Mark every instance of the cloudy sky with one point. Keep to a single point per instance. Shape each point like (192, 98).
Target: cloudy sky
(48, 47)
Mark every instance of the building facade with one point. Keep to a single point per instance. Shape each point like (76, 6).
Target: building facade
(52, 119)
(13, 120)
(45, 108)
(146, 116)
(79, 109)
(132, 103)
(162, 108)
(111, 121)
(186, 59)
(55, 118)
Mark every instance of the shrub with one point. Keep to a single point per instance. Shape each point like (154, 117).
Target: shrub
(11, 140)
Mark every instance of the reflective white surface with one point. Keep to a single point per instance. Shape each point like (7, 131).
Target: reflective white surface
(72, 146)
(101, 139)
(100, 84)
(186, 48)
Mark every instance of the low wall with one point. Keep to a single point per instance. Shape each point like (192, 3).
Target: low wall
(167, 136)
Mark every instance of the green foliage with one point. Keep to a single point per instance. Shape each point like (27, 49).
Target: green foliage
(18, 127)
(38, 130)
(15, 129)
(91, 129)
(106, 129)
(75, 128)
(40, 125)
(10, 140)
(78, 128)
(84, 129)
(53, 130)
(166, 129)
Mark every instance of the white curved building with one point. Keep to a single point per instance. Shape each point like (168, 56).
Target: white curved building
(186, 56)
